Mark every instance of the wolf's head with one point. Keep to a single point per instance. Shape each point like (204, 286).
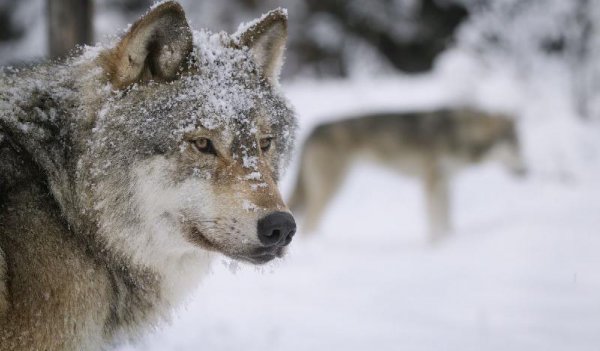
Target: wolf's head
(508, 150)
(189, 144)
(492, 138)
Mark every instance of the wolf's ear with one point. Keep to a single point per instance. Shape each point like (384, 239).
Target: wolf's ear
(154, 48)
(266, 39)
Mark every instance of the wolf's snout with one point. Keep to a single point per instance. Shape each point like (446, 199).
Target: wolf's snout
(276, 229)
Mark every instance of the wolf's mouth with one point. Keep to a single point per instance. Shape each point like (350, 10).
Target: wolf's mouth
(263, 255)
(202, 241)
(258, 256)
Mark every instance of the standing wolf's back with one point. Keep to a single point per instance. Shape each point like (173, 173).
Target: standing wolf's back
(423, 129)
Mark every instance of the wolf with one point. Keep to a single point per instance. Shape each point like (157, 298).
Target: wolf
(430, 145)
(127, 168)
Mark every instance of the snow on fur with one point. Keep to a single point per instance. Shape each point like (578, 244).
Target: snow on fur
(222, 90)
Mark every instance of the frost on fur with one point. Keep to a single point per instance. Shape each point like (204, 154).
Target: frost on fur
(266, 37)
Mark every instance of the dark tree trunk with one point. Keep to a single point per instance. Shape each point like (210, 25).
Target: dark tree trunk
(434, 26)
(69, 24)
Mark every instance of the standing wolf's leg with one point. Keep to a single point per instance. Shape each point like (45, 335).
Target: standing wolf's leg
(438, 202)
(323, 169)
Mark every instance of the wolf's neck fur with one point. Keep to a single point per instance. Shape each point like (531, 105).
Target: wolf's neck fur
(140, 227)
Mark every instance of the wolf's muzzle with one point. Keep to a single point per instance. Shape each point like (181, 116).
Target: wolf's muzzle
(276, 229)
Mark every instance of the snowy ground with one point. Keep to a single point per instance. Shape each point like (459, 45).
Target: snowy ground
(522, 271)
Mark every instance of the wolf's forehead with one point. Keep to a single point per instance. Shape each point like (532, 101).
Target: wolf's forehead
(223, 86)
(221, 91)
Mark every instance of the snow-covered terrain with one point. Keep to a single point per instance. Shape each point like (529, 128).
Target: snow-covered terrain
(521, 272)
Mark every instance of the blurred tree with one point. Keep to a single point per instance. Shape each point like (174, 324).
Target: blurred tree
(70, 23)
(534, 34)
(409, 34)
(130, 5)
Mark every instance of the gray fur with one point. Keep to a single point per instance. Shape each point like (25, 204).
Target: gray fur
(85, 259)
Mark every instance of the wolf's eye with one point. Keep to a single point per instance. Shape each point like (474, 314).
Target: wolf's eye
(205, 146)
(265, 144)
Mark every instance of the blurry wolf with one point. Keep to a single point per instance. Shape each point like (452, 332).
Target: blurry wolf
(123, 170)
(429, 145)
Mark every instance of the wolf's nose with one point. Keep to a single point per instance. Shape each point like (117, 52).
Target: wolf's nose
(276, 229)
